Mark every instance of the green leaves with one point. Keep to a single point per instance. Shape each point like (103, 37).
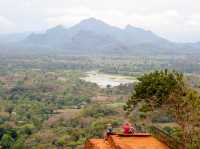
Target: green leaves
(156, 87)
(166, 90)
(7, 141)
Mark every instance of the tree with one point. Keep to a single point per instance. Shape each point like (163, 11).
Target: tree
(2, 91)
(155, 88)
(167, 89)
(7, 141)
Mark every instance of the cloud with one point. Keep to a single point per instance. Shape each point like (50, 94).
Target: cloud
(194, 22)
(67, 17)
(5, 22)
(6, 25)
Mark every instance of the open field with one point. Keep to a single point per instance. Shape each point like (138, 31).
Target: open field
(105, 80)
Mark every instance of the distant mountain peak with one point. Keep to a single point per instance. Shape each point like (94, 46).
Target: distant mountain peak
(56, 29)
(97, 36)
(92, 20)
(129, 26)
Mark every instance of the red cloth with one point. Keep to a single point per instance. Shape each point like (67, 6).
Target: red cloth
(126, 128)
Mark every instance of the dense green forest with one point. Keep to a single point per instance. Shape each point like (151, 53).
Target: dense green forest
(131, 65)
(45, 104)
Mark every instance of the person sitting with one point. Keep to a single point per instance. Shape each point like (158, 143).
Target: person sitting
(109, 131)
(132, 129)
(128, 128)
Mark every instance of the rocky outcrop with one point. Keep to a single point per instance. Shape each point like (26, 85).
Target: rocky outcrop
(121, 141)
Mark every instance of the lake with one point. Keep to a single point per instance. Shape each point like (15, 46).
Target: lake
(103, 80)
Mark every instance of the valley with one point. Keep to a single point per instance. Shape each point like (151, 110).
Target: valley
(60, 101)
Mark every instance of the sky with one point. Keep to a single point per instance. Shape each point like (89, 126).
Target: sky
(176, 20)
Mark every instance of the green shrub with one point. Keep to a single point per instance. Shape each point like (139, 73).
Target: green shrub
(27, 129)
(174, 132)
(142, 115)
(145, 108)
(19, 144)
(163, 118)
(98, 111)
(7, 141)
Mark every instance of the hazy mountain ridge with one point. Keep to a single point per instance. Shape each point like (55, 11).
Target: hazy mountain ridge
(13, 37)
(92, 36)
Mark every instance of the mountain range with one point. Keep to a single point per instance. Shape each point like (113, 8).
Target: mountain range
(93, 36)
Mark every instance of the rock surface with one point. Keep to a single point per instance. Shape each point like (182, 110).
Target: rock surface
(136, 141)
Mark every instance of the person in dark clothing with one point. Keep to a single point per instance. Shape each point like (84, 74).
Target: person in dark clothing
(109, 131)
